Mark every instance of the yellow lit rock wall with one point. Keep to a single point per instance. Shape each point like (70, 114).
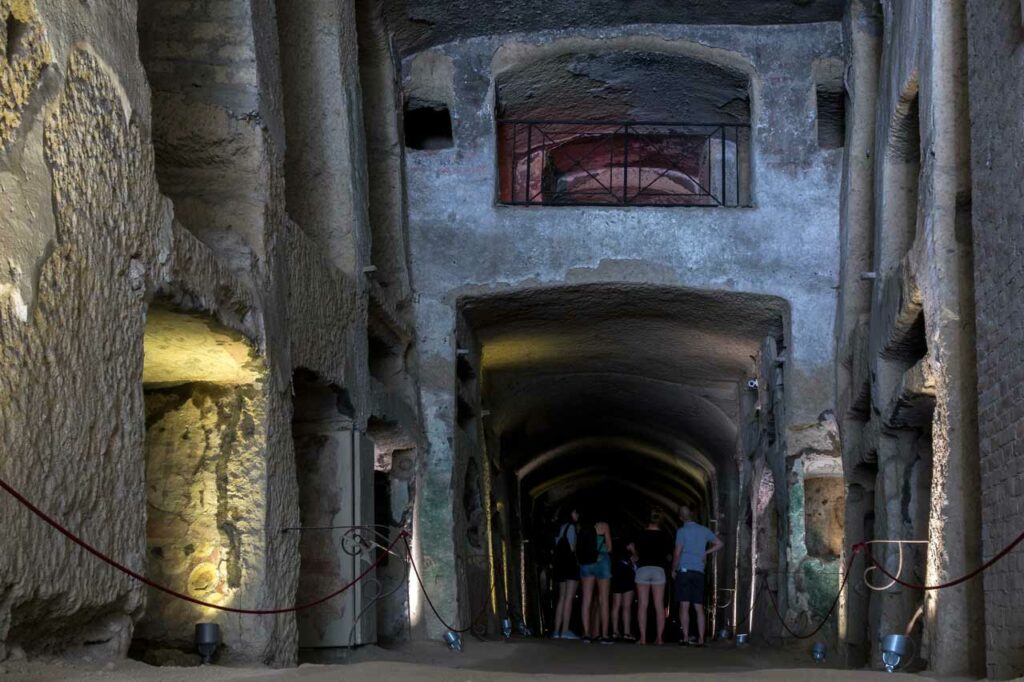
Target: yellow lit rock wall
(204, 503)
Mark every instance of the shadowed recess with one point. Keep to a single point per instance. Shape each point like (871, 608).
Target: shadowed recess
(617, 392)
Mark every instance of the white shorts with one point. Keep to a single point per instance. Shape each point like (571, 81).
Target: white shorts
(650, 575)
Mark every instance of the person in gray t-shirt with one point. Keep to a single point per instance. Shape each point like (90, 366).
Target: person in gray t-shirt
(694, 543)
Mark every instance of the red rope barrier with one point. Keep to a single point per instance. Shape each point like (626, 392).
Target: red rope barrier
(184, 597)
(952, 583)
(430, 603)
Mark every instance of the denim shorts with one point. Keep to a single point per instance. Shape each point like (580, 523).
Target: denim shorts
(600, 569)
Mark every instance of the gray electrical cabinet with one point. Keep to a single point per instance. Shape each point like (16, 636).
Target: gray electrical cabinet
(336, 490)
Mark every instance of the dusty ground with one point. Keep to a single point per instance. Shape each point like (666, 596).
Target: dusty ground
(486, 662)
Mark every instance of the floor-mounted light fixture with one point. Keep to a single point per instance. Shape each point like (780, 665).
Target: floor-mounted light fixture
(453, 640)
(897, 652)
(207, 640)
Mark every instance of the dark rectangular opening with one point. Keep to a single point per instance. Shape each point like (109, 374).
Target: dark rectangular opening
(831, 117)
(428, 126)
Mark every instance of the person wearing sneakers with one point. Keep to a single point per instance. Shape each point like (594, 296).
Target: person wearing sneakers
(567, 575)
(694, 544)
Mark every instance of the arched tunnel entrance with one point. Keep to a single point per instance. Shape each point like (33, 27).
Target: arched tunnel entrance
(616, 398)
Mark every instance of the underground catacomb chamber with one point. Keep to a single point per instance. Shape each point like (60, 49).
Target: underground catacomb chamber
(610, 399)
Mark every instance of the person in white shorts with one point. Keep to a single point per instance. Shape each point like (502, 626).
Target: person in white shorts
(654, 550)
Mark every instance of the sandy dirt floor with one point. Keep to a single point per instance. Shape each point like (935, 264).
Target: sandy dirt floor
(486, 662)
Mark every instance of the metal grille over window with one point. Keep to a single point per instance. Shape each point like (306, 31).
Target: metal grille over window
(584, 163)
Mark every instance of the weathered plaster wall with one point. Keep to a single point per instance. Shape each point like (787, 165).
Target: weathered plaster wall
(324, 128)
(785, 246)
(905, 376)
(996, 57)
(862, 29)
(211, 155)
(58, 357)
(382, 123)
(92, 241)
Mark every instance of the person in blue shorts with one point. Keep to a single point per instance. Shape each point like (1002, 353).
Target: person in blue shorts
(694, 544)
(593, 551)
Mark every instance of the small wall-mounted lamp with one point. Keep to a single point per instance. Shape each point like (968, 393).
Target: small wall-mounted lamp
(868, 275)
(369, 269)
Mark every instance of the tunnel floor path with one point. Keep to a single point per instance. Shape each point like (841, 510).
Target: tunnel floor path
(487, 662)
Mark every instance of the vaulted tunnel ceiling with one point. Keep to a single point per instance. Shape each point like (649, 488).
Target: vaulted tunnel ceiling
(420, 24)
(624, 86)
(596, 388)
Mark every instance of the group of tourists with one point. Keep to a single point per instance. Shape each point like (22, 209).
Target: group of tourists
(612, 573)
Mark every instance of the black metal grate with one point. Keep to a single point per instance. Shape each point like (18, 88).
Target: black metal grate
(587, 163)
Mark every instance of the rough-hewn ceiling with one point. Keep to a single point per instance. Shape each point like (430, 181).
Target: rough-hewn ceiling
(419, 24)
(625, 85)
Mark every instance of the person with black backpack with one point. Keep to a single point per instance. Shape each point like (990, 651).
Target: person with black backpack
(567, 575)
(593, 552)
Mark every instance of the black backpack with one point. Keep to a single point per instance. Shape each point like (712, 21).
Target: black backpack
(586, 545)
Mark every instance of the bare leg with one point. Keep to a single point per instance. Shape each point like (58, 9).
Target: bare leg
(559, 608)
(616, 608)
(627, 613)
(659, 610)
(684, 620)
(699, 608)
(570, 595)
(588, 598)
(604, 588)
(643, 593)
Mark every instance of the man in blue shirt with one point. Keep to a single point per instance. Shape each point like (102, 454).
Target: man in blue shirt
(694, 543)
